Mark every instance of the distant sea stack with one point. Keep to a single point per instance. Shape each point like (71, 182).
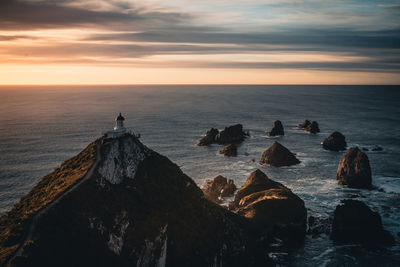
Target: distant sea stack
(354, 169)
(277, 155)
(312, 128)
(229, 150)
(230, 135)
(305, 124)
(335, 142)
(277, 129)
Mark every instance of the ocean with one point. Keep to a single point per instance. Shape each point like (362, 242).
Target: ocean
(41, 126)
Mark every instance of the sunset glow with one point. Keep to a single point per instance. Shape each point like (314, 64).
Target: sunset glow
(199, 42)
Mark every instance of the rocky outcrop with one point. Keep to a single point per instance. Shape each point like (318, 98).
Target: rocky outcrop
(140, 210)
(277, 129)
(229, 150)
(355, 222)
(335, 142)
(219, 188)
(208, 138)
(273, 208)
(354, 169)
(312, 128)
(278, 155)
(305, 124)
(230, 135)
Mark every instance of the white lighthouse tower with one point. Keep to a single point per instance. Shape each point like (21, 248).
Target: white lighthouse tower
(119, 129)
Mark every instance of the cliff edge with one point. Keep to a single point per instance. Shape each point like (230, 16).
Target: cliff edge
(119, 203)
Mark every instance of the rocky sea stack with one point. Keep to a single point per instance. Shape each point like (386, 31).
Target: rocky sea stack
(219, 188)
(272, 207)
(354, 169)
(229, 150)
(305, 124)
(277, 155)
(230, 135)
(312, 128)
(118, 203)
(277, 129)
(335, 142)
(355, 222)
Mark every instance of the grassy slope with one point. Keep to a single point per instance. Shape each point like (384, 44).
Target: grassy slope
(14, 223)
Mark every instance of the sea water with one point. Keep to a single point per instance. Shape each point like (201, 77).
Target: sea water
(41, 126)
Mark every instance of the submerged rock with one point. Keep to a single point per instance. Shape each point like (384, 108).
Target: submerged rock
(209, 138)
(278, 155)
(335, 142)
(354, 169)
(273, 208)
(377, 148)
(229, 150)
(277, 129)
(313, 127)
(305, 124)
(355, 222)
(219, 188)
(134, 207)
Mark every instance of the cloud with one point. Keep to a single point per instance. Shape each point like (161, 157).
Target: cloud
(131, 33)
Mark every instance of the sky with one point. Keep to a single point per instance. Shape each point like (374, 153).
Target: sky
(199, 42)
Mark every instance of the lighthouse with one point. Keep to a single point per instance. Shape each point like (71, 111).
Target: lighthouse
(119, 129)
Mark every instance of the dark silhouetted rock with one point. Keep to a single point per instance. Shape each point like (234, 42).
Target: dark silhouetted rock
(355, 222)
(313, 127)
(365, 149)
(135, 208)
(277, 129)
(278, 155)
(209, 138)
(305, 124)
(335, 142)
(219, 188)
(272, 207)
(230, 135)
(229, 150)
(377, 148)
(354, 169)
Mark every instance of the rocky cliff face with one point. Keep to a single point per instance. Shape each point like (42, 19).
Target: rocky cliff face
(135, 208)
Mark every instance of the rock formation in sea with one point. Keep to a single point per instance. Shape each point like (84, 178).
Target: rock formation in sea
(312, 128)
(230, 135)
(355, 222)
(277, 129)
(118, 203)
(335, 142)
(208, 138)
(272, 207)
(229, 150)
(219, 188)
(278, 155)
(305, 124)
(354, 169)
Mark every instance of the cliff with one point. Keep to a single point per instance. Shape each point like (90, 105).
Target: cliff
(118, 203)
